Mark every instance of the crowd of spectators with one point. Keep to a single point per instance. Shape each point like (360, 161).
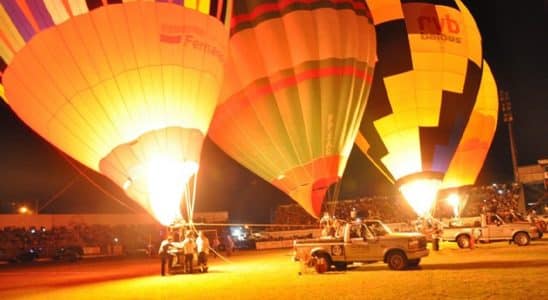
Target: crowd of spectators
(292, 214)
(502, 199)
(499, 198)
(389, 209)
(107, 240)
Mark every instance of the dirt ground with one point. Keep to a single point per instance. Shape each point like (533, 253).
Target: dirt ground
(490, 271)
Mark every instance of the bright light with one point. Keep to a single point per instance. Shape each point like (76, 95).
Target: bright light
(127, 183)
(167, 179)
(236, 232)
(454, 201)
(421, 194)
(23, 210)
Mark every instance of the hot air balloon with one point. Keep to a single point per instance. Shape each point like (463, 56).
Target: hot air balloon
(298, 76)
(432, 111)
(128, 89)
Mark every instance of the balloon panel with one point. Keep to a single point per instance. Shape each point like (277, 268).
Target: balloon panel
(477, 137)
(425, 89)
(296, 88)
(86, 93)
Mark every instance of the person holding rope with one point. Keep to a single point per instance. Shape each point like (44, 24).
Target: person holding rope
(165, 255)
(202, 243)
(188, 249)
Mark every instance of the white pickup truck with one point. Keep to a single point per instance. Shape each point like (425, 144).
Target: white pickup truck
(491, 228)
(367, 242)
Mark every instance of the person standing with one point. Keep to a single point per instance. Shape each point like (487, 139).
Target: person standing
(188, 248)
(229, 246)
(215, 245)
(202, 244)
(165, 256)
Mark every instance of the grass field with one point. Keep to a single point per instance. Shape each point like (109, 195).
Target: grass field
(491, 271)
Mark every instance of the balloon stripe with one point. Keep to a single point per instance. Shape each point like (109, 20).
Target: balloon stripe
(283, 83)
(266, 11)
(28, 15)
(3, 66)
(18, 18)
(40, 13)
(6, 49)
(67, 7)
(93, 4)
(59, 12)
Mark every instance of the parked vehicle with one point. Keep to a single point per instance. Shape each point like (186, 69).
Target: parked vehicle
(491, 228)
(367, 242)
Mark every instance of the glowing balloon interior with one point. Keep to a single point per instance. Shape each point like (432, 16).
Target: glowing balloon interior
(127, 89)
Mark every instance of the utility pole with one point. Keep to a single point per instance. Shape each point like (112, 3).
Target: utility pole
(506, 106)
(508, 118)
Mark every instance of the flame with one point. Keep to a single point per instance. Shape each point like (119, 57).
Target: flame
(454, 201)
(421, 194)
(167, 179)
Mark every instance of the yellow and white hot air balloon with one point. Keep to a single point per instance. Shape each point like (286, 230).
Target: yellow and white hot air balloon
(432, 111)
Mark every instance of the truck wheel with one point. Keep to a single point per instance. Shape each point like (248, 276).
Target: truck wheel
(323, 262)
(414, 262)
(522, 239)
(463, 241)
(396, 260)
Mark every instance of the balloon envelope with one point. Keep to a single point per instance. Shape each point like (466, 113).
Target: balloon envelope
(127, 89)
(297, 80)
(432, 112)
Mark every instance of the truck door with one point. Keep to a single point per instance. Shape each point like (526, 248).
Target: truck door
(496, 229)
(357, 246)
(375, 235)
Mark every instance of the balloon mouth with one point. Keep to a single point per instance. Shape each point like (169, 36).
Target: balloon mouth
(166, 181)
(307, 184)
(156, 169)
(420, 190)
(319, 190)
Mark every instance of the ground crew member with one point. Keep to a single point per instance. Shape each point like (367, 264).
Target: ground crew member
(165, 256)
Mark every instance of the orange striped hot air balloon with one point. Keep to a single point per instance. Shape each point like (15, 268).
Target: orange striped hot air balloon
(298, 76)
(432, 112)
(128, 88)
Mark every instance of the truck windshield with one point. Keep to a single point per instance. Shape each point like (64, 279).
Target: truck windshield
(378, 228)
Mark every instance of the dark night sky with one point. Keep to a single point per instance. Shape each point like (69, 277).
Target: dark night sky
(515, 45)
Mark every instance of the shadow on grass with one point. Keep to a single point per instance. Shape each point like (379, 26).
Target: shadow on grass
(70, 278)
(461, 266)
(488, 265)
